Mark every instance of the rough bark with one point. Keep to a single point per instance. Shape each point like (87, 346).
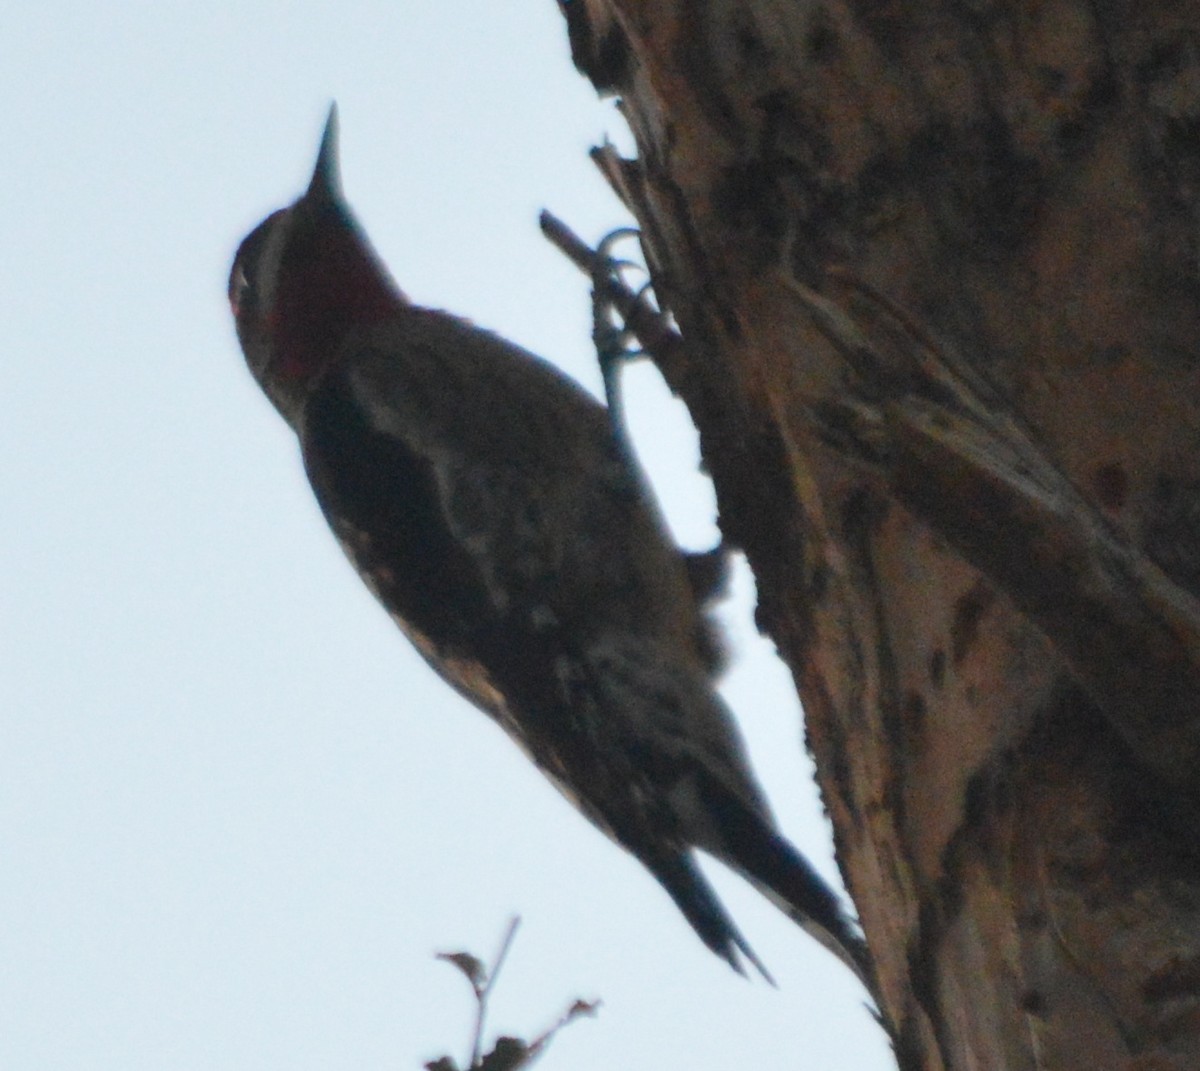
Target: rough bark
(936, 266)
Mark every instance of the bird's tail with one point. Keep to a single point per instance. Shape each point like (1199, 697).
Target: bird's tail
(787, 879)
(678, 874)
(751, 846)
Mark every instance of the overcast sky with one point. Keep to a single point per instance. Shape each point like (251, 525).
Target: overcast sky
(238, 815)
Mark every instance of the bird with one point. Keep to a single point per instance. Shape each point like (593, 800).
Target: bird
(484, 497)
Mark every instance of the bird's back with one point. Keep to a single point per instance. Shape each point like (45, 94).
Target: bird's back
(486, 495)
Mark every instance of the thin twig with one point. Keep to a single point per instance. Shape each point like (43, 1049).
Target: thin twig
(482, 992)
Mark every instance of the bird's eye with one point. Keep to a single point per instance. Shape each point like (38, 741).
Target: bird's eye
(239, 288)
(255, 265)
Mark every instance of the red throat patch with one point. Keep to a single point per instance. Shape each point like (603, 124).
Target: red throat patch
(337, 285)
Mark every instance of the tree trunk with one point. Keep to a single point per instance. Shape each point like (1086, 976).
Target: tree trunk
(936, 267)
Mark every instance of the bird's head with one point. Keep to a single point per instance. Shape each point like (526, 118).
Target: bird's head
(301, 281)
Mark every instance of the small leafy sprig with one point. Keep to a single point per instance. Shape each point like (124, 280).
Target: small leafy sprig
(508, 1053)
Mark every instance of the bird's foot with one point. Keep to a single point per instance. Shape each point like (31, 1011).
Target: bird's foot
(615, 342)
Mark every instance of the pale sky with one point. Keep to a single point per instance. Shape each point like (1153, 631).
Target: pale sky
(238, 814)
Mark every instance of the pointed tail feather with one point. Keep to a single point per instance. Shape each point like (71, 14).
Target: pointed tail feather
(752, 847)
(786, 878)
(679, 875)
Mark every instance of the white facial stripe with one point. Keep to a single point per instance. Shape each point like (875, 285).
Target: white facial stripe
(237, 289)
(270, 261)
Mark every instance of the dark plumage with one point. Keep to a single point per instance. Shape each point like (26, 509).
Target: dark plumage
(485, 500)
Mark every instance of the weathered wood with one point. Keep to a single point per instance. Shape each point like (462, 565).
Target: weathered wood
(937, 271)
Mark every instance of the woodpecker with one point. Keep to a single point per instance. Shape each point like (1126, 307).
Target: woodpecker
(486, 501)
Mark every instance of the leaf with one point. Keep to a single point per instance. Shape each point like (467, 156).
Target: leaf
(471, 967)
(581, 1007)
(508, 1055)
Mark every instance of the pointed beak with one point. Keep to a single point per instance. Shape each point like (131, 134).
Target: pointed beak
(326, 184)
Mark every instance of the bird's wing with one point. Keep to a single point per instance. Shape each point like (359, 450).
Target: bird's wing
(494, 515)
(527, 477)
